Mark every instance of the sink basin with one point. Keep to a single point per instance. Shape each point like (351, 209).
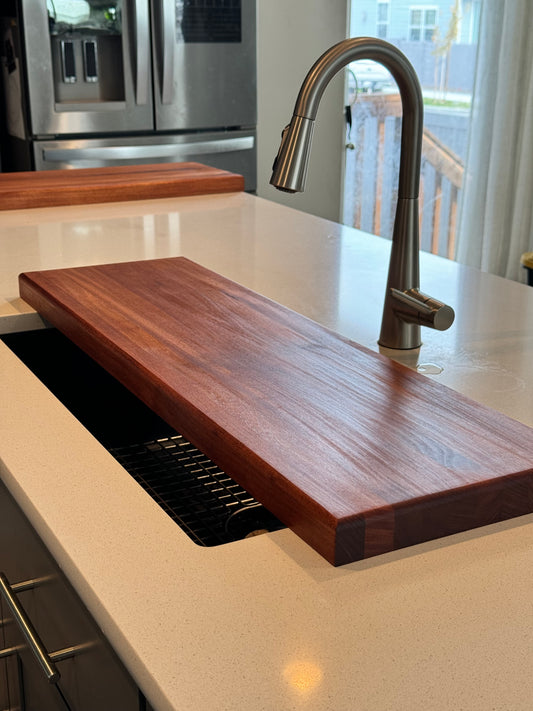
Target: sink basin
(197, 494)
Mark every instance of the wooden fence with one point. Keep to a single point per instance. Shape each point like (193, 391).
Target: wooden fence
(371, 176)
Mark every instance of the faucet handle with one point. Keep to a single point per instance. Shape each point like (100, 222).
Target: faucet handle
(283, 137)
(413, 306)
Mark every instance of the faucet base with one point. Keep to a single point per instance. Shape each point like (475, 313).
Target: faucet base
(398, 331)
(403, 337)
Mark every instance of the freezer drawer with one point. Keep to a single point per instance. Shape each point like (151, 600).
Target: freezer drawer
(234, 151)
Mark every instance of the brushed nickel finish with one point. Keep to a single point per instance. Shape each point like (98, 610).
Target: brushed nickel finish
(45, 659)
(27, 629)
(405, 308)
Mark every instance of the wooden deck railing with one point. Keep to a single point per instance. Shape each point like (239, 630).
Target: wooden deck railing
(371, 176)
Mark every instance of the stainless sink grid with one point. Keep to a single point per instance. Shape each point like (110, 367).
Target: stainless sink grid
(202, 499)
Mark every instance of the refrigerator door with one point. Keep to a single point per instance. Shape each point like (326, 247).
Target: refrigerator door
(204, 57)
(88, 66)
(231, 150)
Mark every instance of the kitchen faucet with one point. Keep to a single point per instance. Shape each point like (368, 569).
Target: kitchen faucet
(406, 308)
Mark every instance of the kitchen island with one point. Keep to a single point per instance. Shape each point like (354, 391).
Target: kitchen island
(266, 623)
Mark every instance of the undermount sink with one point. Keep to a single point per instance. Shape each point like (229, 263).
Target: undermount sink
(201, 498)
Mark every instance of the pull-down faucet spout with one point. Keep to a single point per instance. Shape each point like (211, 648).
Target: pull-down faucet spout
(405, 308)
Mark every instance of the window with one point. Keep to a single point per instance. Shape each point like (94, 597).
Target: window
(444, 61)
(383, 20)
(422, 23)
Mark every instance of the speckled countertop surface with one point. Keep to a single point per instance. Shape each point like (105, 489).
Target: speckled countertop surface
(266, 623)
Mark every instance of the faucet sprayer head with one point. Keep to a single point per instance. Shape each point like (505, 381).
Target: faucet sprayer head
(290, 166)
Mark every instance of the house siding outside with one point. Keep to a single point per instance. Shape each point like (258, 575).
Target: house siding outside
(367, 19)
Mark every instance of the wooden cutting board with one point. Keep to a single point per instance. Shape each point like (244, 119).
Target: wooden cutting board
(357, 454)
(50, 188)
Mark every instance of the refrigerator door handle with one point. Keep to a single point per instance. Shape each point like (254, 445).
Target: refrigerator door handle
(141, 44)
(174, 151)
(168, 21)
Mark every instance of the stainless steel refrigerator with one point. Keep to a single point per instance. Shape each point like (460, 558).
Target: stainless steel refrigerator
(89, 83)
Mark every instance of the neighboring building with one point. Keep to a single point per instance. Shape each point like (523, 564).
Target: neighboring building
(414, 21)
(438, 36)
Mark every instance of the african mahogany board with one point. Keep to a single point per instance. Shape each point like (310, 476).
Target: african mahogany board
(52, 188)
(357, 454)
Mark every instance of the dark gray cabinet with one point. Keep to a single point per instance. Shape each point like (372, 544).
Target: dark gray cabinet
(90, 674)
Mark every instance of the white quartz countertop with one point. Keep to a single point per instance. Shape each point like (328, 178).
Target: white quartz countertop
(266, 623)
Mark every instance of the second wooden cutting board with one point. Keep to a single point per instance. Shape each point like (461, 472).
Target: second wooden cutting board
(357, 454)
(112, 183)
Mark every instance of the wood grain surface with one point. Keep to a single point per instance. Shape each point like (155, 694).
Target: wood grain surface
(50, 188)
(357, 454)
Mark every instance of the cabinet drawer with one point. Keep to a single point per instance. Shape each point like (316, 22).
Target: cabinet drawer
(93, 677)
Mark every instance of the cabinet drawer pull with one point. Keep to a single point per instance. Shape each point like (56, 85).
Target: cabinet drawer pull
(31, 584)
(28, 630)
(9, 651)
